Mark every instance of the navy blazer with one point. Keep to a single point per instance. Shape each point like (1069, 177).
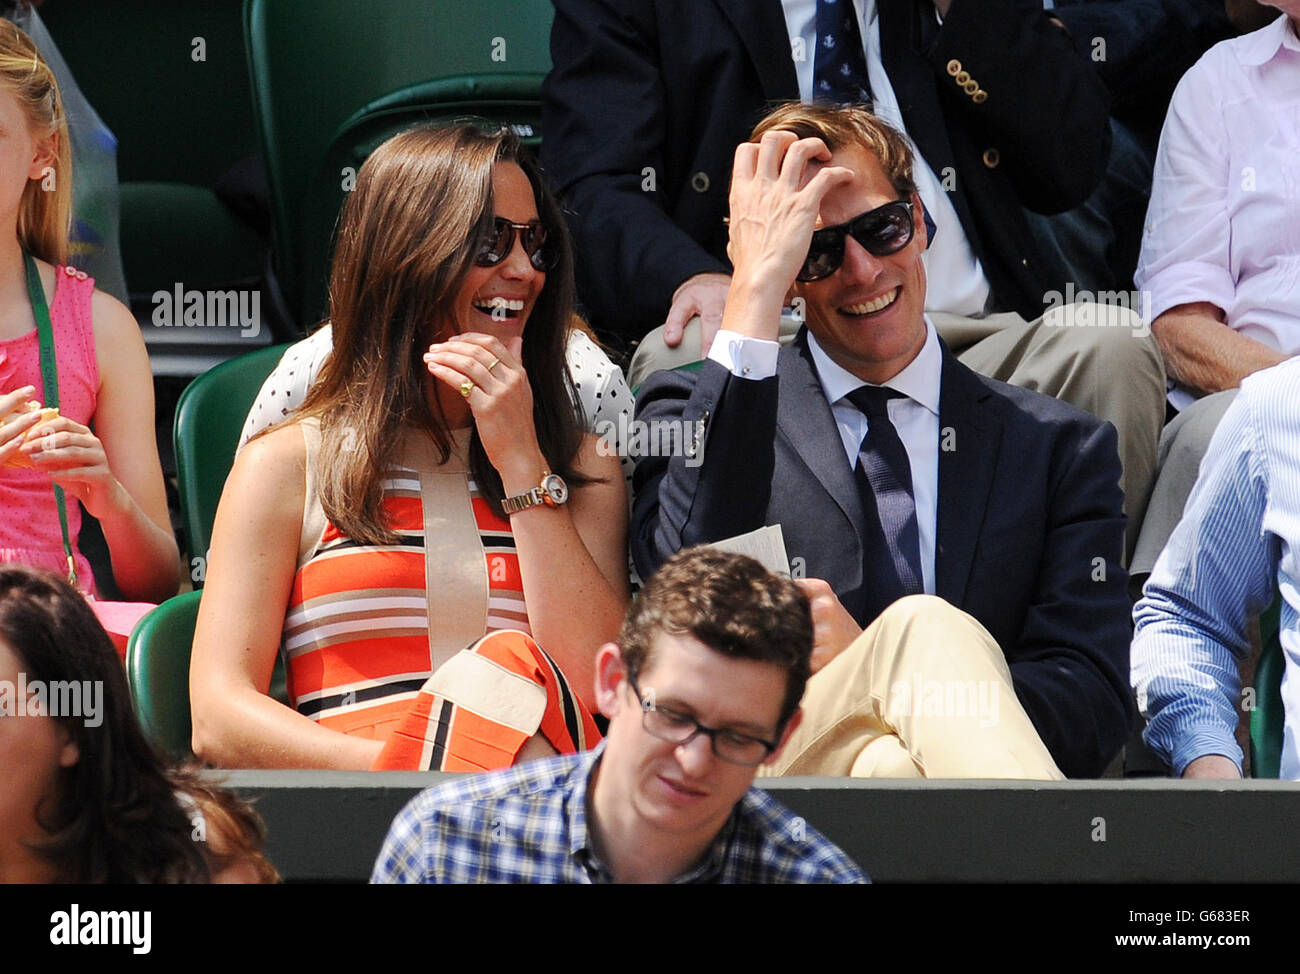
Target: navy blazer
(648, 99)
(1029, 532)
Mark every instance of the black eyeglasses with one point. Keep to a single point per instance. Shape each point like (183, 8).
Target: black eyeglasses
(500, 241)
(679, 728)
(883, 231)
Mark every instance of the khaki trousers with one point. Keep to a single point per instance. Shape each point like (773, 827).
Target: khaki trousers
(924, 692)
(1100, 358)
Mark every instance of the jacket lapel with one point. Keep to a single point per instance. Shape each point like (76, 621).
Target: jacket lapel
(969, 441)
(805, 420)
(762, 29)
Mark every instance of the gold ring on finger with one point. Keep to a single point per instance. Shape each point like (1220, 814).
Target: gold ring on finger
(466, 388)
(495, 363)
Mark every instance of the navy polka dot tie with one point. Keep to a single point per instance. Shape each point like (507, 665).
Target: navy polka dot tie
(839, 66)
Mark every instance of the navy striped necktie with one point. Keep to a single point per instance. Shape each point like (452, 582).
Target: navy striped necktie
(893, 548)
(839, 65)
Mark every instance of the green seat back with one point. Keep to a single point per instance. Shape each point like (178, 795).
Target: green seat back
(315, 64)
(209, 419)
(1268, 717)
(158, 670)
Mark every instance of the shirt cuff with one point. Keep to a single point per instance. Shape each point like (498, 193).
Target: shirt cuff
(1190, 282)
(1198, 742)
(744, 357)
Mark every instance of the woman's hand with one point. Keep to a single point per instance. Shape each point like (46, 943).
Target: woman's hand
(13, 431)
(75, 459)
(501, 400)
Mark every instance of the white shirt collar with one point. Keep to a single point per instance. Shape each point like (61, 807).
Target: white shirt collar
(919, 380)
(1264, 44)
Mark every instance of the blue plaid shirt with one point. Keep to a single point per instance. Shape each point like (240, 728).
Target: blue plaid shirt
(529, 825)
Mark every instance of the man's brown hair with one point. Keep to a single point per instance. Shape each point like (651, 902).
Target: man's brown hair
(841, 126)
(730, 603)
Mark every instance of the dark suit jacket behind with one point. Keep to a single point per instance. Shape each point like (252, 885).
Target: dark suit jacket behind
(1029, 532)
(648, 100)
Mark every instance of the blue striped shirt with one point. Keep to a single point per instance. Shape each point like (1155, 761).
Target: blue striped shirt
(528, 824)
(1235, 546)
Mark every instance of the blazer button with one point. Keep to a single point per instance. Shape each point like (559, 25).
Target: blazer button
(991, 158)
(980, 96)
(700, 182)
(971, 86)
(962, 77)
(953, 67)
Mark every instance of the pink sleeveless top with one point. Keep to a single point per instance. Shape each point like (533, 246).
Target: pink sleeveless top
(29, 516)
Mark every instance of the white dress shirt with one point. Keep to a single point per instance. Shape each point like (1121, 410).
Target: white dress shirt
(956, 281)
(915, 417)
(1224, 221)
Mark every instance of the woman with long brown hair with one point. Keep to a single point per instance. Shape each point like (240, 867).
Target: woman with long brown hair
(434, 488)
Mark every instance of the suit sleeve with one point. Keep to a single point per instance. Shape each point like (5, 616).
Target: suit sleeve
(603, 111)
(1071, 664)
(723, 488)
(1047, 110)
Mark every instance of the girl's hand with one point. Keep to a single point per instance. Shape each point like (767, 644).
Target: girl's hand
(75, 460)
(500, 398)
(13, 430)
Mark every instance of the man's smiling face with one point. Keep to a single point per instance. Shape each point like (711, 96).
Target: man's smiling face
(868, 314)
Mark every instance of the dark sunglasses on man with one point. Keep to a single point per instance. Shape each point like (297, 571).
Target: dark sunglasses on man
(500, 240)
(883, 231)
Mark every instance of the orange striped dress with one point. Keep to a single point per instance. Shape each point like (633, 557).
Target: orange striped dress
(364, 652)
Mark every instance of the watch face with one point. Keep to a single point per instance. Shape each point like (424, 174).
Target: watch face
(556, 489)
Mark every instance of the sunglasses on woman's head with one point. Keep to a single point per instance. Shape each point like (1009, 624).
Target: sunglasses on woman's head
(881, 232)
(501, 240)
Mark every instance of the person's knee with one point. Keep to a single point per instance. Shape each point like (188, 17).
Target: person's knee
(654, 355)
(1112, 339)
(921, 612)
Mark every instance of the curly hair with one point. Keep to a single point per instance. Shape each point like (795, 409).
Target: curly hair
(730, 603)
(118, 815)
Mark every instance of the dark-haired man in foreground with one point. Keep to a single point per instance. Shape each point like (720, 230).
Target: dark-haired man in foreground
(702, 688)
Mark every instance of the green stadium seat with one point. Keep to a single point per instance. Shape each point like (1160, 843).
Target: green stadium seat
(158, 672)
(1268, 717)
(318, 67)
(209, 420)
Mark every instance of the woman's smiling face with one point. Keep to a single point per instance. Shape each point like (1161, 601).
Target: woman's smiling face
(498, 300)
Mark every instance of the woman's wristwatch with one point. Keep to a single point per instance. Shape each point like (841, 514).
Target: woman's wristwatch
(552, 492)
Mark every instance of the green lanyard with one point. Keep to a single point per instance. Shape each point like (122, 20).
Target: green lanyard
(50, 378)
